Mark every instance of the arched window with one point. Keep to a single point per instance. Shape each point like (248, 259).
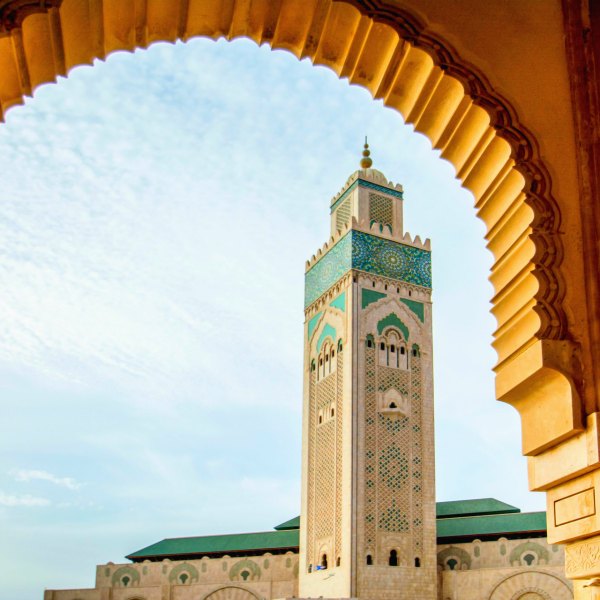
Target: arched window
(324, 561)
(338, 562)
(369, 559)
(382, 346)
(393, 561)
(332, 411)
(417, 561)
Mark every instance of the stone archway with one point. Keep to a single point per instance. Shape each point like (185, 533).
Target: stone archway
(231, 593)
(391, 50)
(530, 585)
(387, 51)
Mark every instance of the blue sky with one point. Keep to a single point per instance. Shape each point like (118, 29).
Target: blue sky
(156, 213)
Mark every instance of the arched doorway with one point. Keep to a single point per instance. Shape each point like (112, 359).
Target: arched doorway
(231, 593)
(400, 54)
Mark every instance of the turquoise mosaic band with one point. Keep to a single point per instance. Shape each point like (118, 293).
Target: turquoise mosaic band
(368, 184)
(369, 253)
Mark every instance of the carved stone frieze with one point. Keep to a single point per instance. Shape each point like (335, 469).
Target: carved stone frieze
(546, 221)
(582, 559)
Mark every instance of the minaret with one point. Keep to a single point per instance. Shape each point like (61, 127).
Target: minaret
(368, 503)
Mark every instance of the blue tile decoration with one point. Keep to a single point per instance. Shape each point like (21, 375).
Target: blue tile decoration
(328, 331)
(340, 302)
(369, 253)
(313, 323)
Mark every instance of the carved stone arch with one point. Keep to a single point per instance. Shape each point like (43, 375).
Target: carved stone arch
(383, 308)
(245, 570)
(126, 576)
(461, 558)
(544, 584)
(394, 402)
(518, 554)
(187, 570)
(388, 50)
(231, 592)
(330, 320)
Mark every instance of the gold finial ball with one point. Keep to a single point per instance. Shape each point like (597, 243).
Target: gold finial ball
(366, 162)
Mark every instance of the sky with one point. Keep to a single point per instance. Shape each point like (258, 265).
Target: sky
(156, 213)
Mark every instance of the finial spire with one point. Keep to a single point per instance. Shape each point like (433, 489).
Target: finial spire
(366, 162)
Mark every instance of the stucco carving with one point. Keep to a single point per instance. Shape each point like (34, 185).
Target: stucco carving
(583, 559)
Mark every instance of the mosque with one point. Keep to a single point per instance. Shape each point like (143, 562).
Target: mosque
(370, 528)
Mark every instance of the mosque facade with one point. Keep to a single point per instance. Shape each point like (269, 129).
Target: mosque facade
(369, 528)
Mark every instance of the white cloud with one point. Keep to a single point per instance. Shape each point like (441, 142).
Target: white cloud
(23, 500)
(37, 475)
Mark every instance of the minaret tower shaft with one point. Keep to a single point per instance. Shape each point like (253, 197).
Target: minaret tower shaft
(368, 503)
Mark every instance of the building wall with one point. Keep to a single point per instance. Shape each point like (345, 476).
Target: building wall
(395, 459)
(250, 578)
(527, 569)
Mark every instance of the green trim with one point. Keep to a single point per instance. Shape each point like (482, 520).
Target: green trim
(219, 544)
(369, 296)
(516, 525)
(340, 302)
(328, 331)
(417, 307)
(313, 323)
(392, 320)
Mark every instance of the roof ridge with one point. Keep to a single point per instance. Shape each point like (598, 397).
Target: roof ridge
(188, 537)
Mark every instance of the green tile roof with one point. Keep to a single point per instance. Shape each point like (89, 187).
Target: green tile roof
(291, 524)
(456, 521)
(490, 525)
(220, 544)
(465, 508)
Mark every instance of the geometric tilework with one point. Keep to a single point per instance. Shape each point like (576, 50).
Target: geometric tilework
(369, 253)
(369, 296)
(313, 323)
(416, 307)
(381, 210)
(339, 302)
